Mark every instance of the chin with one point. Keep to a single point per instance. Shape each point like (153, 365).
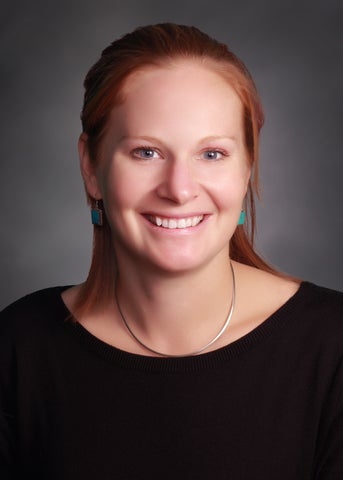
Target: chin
(179, 264)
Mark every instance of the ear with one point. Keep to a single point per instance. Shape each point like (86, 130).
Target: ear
(88, 169)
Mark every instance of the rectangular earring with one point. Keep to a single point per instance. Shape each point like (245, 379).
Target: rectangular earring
(241, 219)
(96, 214)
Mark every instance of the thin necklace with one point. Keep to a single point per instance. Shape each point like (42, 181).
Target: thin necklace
(211, 342)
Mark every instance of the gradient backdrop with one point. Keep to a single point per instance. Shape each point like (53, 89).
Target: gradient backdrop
(294, 49)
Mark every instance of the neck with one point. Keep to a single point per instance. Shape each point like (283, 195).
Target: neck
(176, 314)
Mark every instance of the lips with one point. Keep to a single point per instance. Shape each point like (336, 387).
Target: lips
(173, 223)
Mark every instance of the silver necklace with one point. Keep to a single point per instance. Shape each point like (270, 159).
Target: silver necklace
(197, 352)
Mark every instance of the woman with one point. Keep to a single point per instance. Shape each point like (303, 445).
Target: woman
(183, 355)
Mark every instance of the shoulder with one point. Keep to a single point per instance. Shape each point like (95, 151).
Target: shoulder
(324, 298)
(313, 320)
(321, 305)
(35, 308)
(31, 329)
(264, 287)
(302, 304)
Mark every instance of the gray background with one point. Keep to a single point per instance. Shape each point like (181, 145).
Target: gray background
(295, 53)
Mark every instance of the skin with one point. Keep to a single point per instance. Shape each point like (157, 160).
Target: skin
(180, 117)
(174, 152)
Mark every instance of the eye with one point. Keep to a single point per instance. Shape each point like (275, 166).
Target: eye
(213, 155)
(145, 153)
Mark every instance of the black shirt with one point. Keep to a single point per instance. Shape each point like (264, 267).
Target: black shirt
(268, 406)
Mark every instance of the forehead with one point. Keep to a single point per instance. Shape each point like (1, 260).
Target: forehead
(185, 94)
(180, 84)
(179, 75)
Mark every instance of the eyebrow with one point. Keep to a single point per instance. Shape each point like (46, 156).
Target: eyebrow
(140, 137)
(218, 137)
(156, 140)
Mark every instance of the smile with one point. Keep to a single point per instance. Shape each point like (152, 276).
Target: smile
(173, 223)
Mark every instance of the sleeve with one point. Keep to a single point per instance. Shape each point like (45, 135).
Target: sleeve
(6, 446)
(329, 458)
(7, 401)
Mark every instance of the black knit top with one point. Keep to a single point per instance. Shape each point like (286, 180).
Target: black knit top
(268, 406)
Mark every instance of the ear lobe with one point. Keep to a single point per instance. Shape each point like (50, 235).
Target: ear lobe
(87, 168)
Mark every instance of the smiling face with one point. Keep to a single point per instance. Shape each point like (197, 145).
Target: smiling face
(172, 169)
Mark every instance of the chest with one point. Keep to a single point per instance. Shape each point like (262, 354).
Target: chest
(247, 423)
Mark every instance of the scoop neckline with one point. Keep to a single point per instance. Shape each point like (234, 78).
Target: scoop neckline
(206, 360)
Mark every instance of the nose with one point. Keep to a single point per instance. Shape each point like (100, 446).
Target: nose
(178, 184)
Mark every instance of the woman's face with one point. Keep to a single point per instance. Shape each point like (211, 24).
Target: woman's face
(173, 169)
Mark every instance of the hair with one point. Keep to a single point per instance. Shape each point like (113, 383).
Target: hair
(160, 45)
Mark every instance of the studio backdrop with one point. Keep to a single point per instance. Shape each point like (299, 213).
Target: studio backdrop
(294, 50)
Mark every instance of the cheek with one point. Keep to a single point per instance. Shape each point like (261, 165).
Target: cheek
(230, 192)
(120, 190)
(117, 197)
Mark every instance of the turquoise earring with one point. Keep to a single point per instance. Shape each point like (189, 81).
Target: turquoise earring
(241, 219)
(96, 214)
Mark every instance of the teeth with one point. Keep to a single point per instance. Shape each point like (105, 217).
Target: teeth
(173, 223)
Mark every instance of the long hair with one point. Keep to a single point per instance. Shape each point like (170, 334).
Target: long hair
(104, 88)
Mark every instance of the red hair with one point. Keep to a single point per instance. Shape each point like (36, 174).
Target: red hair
(104, 88)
